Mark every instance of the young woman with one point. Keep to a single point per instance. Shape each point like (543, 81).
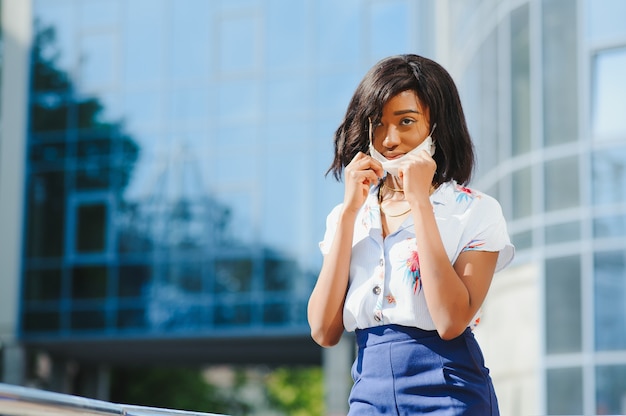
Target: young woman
(410, 253)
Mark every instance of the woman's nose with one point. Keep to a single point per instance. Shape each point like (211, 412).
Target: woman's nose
(392, 138)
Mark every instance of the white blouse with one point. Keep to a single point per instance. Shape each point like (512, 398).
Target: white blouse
(385, 285)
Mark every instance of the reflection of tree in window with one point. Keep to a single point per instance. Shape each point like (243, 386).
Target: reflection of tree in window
(90, 140)
(91, 233)
(81, 164)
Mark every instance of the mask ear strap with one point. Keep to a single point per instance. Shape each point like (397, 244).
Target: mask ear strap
(431, 131)
(369, 119)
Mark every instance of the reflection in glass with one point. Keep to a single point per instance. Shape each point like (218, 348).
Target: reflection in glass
(479, 86)
(611, 390)
(169, 307)
(565, 391)
(132, 280)
(133, 233)
(89, 282)
(131, 318)
(605, 20)
(91, 220)
(226, 315)
(143, 42)
(560, 71)
(190, 58)
(91, 116)
(88, 319)
(609, 89)
(276, 313)
(520, 81)
(48, 154)
(93, 176)
(390, 19)
(338, 43)
(233, 276)
(237, 227)
(280, 98)
(186, 276)
(43, 284)
(609, 226)
(563, 305)
(522, 193)
(522, 240)
(239, 44)
(610, 300)
(566, 232)
(46, 214)
(609, 176)
(97, 61)
(189, 106)
(333, 91)
(162, 176)
(291, 17)
(36, 321)
(142, 109)
(48, 112)
(99, 13)
(239, 101)
(562, 189)
(55, 44)
(279, 274)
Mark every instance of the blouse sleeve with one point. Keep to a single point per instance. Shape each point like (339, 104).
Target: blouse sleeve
(331, 228)
(488, 232)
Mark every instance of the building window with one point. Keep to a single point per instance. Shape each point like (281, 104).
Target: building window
(610, 300)
(91, 228)
(611, 390)
(608, 91)
(563, 305)
(522, 193)
(609, 176)
(560, 74)
(609, 226)
(565, 232)
(565, 391)
(562, 189)
(520, 81)
(605, 20)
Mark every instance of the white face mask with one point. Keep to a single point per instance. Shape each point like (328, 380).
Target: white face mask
(392, 166)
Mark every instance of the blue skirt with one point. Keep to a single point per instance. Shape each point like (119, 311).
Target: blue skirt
(408, 371)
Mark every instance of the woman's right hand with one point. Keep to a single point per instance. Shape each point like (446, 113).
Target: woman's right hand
(362, 172)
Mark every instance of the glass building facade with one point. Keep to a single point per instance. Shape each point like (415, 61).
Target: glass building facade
(176, 156)
(543, 82)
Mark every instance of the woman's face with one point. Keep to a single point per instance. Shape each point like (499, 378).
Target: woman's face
(404, 125)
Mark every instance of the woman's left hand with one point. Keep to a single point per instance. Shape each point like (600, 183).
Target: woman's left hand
(417, 176)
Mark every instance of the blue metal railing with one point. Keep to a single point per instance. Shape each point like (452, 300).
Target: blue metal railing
(26, 401)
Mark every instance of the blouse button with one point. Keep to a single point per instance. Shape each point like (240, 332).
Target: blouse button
(376, 290)
(381, 262)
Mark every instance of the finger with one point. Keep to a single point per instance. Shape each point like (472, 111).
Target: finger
(371, 177)
(357, 157)
(369, 162)
(363, 176)
(377, 167)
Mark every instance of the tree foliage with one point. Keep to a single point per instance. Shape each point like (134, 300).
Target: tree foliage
(172, 388)
(296, 391)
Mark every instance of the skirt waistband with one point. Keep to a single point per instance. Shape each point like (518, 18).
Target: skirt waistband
(390, 333)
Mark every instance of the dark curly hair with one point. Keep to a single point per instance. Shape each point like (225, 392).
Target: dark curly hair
(435, 89)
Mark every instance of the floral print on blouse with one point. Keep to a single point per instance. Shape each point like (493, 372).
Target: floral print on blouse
(385, 283)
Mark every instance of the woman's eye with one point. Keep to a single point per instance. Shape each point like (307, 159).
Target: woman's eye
(406, 121)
